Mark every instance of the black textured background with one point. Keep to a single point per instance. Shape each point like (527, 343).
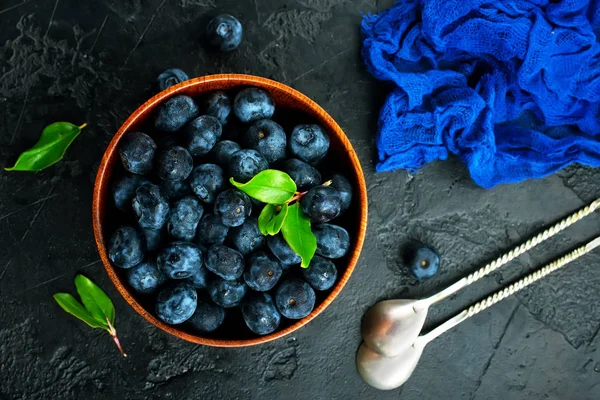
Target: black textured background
(95, 61)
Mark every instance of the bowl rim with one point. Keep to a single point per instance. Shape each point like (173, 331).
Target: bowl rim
(102, 182)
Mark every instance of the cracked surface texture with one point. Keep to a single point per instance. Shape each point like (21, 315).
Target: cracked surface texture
(96, 61)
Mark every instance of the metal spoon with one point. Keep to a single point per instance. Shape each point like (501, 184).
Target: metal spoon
(391, 325)
(388, 373)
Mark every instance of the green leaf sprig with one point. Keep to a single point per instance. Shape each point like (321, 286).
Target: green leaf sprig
(97, 310)
(282, 212)
(49, 149)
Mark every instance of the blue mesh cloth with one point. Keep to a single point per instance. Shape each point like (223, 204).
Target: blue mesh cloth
(511, 87)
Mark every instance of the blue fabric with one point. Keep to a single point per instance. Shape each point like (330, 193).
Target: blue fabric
(511, 87)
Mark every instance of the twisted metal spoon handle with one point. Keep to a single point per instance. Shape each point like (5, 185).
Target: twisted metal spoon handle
(507, 291)
(505, 258)
(531, 243)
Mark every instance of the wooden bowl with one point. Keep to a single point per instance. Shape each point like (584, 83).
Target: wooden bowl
(286, 98)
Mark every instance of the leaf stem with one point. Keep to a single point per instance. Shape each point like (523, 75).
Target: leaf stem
(83, 125)
(113, 334)
(300, 195)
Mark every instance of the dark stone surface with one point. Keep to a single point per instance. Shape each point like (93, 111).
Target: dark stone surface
(95, 61)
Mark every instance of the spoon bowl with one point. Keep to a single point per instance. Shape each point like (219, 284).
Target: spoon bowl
(387, 373)
(390, 326)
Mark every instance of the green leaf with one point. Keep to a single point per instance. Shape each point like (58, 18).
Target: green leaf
(266, 215)
(95, 300)
(274, 226)
(297, 233)
(73, 307)
(269, 186)
(49, 149)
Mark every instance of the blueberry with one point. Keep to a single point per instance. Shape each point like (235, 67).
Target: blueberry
(211, 231)
(207, 317)
(174, 164)
(150, 206)
(252, 104)
(226, 293)
(233, 206)
(260, 313)
(218, 105)
(224, 262)
(247, 238)
(145, 277)
(222, 152)
(153, 237)
(262, 271)
(206, 181)
(282, 250)
(171, 77)
(199, 278)
(201, 135)
(126, 247)
(295, 299)
(244, 164)
(137, 152)
(343, 186)
(422, 261)
(321, 204)
(268, 138)
(179, 260)
(321, 274)
(176, 190)
(174, 113)
(224, 33)
(309, 143)
(176, 303)
(184, 218)
(124, 189)
(332, 241)
(304, 175)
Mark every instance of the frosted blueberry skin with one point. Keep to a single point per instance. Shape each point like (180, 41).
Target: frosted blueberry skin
(226, 294)
(137, 151)
(260, 313)
(224, 262)
(304, 175)
(294, 298)
(262, 271)
(175, 113)
(252, 104)
(145, 278)
(268, 138)
(224, 33)
(282, 250)
(218, 104)
(222, 152)
(245, 164)
(207, 181)
(170, 77)
(174, 164)
(332, 241)
(179, 260)
(208, 316)
(321, 204)
(184, 218)
(126, 247)
(247, 238)
(321, 274)
(309, 143)
(201, 135)
(176, 303)
(150, 206)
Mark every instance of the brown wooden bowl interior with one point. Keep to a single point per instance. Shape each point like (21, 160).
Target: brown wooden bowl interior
(342, 158)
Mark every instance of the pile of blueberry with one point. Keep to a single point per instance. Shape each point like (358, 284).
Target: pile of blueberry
(190, 242)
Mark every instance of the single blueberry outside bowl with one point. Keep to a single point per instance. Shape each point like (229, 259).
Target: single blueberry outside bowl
(287, 101)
